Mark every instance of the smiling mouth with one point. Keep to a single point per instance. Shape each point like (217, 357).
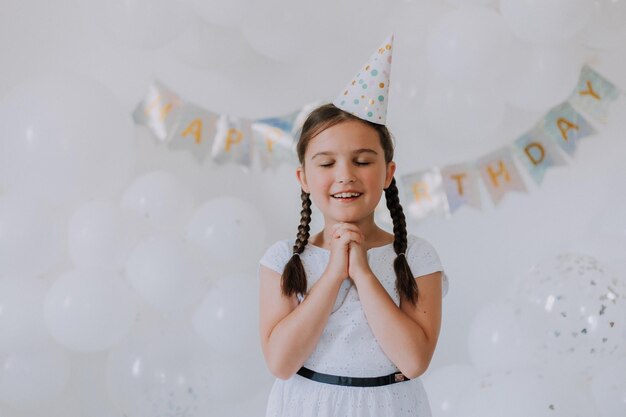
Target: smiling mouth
(346, 196)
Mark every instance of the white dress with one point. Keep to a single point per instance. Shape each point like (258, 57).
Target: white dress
(347, 346)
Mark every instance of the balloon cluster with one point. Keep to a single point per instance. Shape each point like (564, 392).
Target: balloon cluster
(526, 54)
(557, 348)
(126, 269)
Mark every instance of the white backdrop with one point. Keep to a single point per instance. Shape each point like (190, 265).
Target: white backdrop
(83, 190)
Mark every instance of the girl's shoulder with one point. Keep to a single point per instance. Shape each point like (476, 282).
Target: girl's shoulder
(277, 255)
(423, 259)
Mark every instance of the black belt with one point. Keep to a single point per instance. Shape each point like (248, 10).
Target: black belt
(352, 381)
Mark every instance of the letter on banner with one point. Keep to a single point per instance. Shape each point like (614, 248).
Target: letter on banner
(233, 141)
(194, 131)
(500, 174)
(594, 94)
(159, 110)
(460, 183)
(274, 145)
(424, 194)
(538, 153)
(566, 126)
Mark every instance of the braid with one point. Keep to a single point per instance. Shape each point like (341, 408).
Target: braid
(294, 276)
(405, 282)
(303, 228)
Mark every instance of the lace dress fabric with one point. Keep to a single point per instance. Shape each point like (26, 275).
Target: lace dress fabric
(348, 346)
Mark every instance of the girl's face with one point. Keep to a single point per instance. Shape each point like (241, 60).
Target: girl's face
(346, 157)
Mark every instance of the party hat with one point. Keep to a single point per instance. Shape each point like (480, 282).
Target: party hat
(366, 95)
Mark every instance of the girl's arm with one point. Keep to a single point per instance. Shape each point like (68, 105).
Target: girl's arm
(289, 332)
(407, 334)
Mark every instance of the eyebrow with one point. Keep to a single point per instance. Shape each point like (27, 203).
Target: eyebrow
(356, 152)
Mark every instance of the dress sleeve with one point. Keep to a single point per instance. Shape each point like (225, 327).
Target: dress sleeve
(423, 260)
(276, 256)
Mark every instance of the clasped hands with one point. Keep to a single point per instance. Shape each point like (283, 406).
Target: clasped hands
(348, 254)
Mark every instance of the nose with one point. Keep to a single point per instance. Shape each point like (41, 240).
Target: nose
(345, 175)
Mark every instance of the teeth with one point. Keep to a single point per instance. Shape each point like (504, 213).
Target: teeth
(346, 195)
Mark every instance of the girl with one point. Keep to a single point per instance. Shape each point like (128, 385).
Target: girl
(349, 317)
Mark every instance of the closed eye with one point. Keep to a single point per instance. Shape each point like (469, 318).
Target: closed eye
(355, 162)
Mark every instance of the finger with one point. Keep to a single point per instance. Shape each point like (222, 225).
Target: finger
(351, 236)
(349, 226)
(346, 227)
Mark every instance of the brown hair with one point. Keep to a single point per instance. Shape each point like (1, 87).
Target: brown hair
(294, 277)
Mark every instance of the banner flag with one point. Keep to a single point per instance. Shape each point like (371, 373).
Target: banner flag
(233, 141)
(159, 110)
(566, 126)
(594, 94)
(500, 174)
(538, 153)
(194, 130)
(460, 182)
(424, 193)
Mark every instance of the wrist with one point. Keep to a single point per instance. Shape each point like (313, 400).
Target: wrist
(363, 276)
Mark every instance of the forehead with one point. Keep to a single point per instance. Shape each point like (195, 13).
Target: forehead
(344, 138)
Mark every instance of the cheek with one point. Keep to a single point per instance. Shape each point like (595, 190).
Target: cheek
(319, 183)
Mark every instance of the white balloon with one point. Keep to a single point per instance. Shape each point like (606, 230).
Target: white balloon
(214, 47)
(543, 76)
(470, 46)
(89, 310)
(223, 13)
(21, 310)
(296, 31)
(159, 196)
(31, 238)
(65, 137)
(609, 389)
(226, 380)
(169, 273)
(33, 374)
(495, 339)
(231, 230)
(446, 385)
(89, 386)
(573, 310)
(228, 316)
(462, 113)
(161, 371)
(146, 24)
(102, 234)
(546, 21)
(607, 28)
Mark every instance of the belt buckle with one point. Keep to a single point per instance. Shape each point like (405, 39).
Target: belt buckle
(399, 377)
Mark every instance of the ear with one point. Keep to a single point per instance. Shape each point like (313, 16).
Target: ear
(301, 176)
(391, 169)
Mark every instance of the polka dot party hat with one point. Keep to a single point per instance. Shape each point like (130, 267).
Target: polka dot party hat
(366, 95)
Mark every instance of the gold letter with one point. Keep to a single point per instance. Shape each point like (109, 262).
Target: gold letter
(501, 171)
(233, 136)
(564, 125)
(590, 92)
(195, 128)
(163, 111)
(459, 182)
(530, 156)
(420, 190)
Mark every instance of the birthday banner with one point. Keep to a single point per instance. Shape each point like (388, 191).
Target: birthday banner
(433, 191)
(443, 190)
(227, 139)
